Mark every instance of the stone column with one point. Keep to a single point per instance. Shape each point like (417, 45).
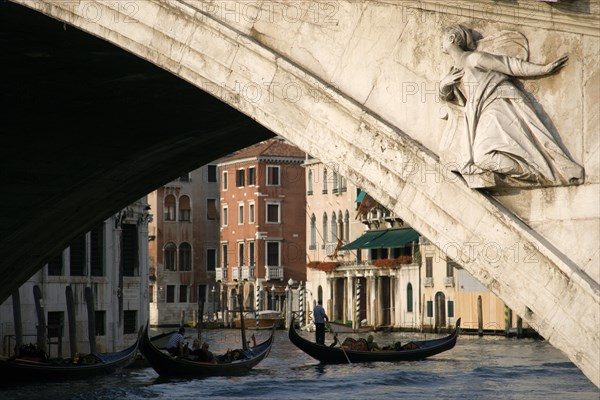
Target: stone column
(333, 299)
(393, 304)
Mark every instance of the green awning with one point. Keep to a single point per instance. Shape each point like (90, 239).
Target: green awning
(382, 239)
(362, 241)
(360, 196)
(393, 238)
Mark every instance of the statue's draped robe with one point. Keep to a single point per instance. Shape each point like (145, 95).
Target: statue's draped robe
(505, 133)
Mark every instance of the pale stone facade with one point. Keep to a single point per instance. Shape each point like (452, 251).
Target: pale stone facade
(112, 260)
(185, 247)
(351, 287)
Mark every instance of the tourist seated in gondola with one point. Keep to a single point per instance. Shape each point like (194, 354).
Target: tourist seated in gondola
(360, 344)
(175, 346)
(201, 353)
(371, 345)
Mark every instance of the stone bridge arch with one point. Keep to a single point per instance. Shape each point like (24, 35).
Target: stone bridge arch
(233, 54)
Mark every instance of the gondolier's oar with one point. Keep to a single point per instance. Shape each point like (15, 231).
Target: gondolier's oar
(341, 347)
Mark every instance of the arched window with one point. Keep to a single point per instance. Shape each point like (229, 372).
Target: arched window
(169, 208)
(409, 298)
(310, 182)
(343, 184)
(320, 293)
(324, 229)
(334, 234)
(185, 210)
(313, 231)
(185, 257)
(170, 257)
(335, 183)
(347, 225)
(324, 180)
(340, 226)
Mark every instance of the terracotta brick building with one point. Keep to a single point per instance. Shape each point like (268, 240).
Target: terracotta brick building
(262, 217)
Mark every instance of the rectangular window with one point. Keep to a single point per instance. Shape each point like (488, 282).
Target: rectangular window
(170, 254)
(78, 256)
(240, 254)
(273, 254)
(251, 254)
(273, 215)
(185, 257)
(225, 219)
(273, 175)
(211, 209)
(97, 251)
(212, 173)
(251, 213)
(151, 293)
(240, 178)
(225, 176)
(56, 323)
(183, 294)
(211, 260)
(430, 309)
(450, 309)
(100, 322)
(55, 265)
(224, 254)
(251, 176)
(240, 214)
(428, 267)
(449, 269)
(129, 321)
(170, 293)
(130, 250)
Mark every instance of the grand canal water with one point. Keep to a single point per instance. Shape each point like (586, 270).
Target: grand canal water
(477, 368)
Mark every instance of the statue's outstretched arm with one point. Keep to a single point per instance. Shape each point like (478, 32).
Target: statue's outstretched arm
(515, 66)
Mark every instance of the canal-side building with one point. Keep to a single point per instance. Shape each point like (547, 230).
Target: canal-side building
(183, 250)
(106, 270)
(368, 266)
(449, 292)
(263, 235)
(358, 279)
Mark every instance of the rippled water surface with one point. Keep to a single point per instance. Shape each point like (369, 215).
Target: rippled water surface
(477, 368)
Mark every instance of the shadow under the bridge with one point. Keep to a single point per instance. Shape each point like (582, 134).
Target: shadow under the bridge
(87, 128)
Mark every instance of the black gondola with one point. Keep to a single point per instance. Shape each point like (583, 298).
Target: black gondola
(88, 366)
(236, 362)
(415, 350)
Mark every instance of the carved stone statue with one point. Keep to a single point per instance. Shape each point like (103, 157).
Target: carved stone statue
(508, 144)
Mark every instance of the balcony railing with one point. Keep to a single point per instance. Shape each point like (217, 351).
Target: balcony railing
(235, 273)
(449, 281)
(248, 273)
(428, 282)
(274, 273)
(221, 274)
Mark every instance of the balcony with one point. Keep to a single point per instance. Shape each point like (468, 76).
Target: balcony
(248, 273)
(449, 281)
(235, 273)
(428, 282)
(221, 274)
(274, 273)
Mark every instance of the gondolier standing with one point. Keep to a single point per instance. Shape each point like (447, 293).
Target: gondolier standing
(320, 318)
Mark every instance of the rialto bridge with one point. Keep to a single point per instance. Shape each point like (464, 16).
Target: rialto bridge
(105, 100)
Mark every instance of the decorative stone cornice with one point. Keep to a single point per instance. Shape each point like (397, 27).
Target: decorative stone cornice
(565, 16)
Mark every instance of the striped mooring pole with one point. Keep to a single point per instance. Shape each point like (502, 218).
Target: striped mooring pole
(258, 299)
(357, 304)
(301, 303)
